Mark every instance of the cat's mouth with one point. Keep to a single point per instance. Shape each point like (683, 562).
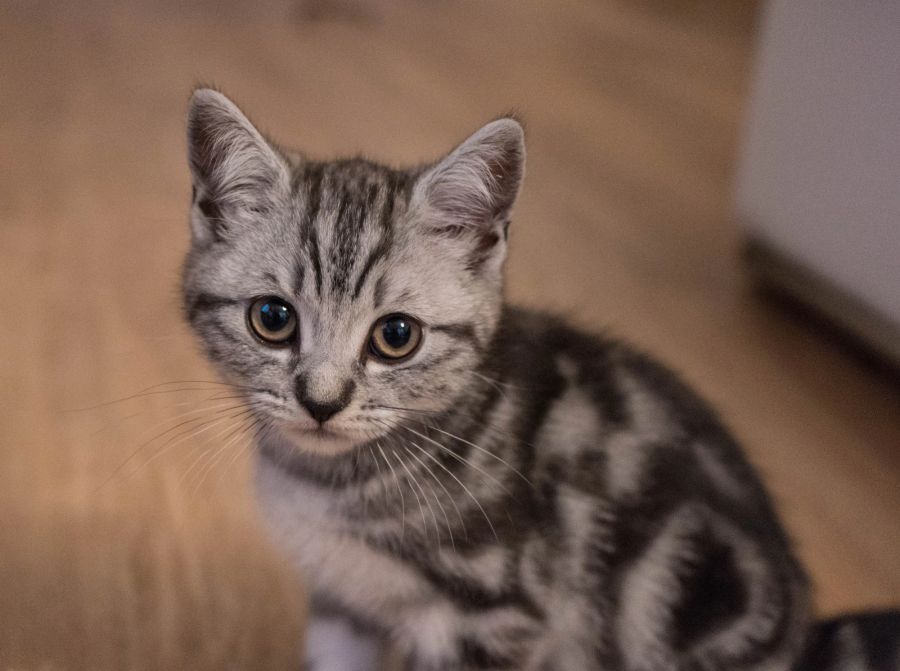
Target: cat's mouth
(316, 430)
(322, 438)
(320, 431)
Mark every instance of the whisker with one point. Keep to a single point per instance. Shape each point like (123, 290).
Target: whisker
(451, 498)
(487, 452)
(438, 501)
(487, 428)
(157, 389)
(498, 384)
(211, 464)
(415, 493)
(215, 410)
(460, 458)
(180, 404)
(390, 427)
(417, 410)
(380, 474)
(261, 431)
(399, 489)
(417, 483)
(218, 410)
(230, 430)
(262, 422)
(354, 476)
(452, 475)
(465, 489)
(182, 437)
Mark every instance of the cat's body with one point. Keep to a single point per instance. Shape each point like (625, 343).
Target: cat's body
(639, 535)
(484, 487)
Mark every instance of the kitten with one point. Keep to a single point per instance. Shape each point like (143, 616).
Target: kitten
(481, 486)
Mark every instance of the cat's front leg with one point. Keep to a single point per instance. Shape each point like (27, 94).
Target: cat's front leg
(334, 643)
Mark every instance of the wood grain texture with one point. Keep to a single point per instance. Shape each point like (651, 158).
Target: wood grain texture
(633, 112)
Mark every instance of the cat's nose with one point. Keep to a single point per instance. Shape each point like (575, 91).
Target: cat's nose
(320, 410)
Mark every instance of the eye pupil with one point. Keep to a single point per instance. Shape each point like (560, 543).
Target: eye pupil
(396, 332)
(274, 316)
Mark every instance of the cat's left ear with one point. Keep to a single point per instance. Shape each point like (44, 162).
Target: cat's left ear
(237, 175)
(468, 195)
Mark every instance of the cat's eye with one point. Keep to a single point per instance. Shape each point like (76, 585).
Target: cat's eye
(272, 319)
(395, 337)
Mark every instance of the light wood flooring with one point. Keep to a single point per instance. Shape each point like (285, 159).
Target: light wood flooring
(633, 110)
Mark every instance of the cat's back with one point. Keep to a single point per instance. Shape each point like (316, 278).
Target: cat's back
(649, 501)
(608, 407)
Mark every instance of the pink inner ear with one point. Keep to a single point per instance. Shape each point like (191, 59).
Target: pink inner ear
(502, 192)
(477, 183)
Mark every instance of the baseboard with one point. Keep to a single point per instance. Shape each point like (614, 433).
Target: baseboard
(777, 269)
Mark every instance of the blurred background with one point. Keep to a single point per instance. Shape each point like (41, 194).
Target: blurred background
(660, 137)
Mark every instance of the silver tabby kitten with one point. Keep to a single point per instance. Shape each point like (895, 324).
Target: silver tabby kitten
(483, 487)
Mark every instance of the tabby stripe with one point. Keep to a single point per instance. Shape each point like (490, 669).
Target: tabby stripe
(347, 230)
(880, 633)
(387, 209)
(377, 254)
(384, 244)
(467, 595)
(299, 275)
(241, 366)
(341, 251)
(206, 303)
(213, 324)
(473, 654)
(378, 297)
(316, 261)
(459, 331)
(314, 178)
(434, 361)
(371, 195)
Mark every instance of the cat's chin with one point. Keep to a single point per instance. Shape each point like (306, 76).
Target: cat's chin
(320, 440)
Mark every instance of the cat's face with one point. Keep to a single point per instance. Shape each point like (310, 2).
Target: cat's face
(344, 297)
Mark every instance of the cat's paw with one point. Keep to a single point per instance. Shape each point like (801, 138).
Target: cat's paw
(335, 645)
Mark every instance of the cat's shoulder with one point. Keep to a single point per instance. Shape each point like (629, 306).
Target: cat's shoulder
(542, 345)
(541, 334)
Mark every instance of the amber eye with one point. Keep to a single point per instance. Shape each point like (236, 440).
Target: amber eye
(272, 319)
(395, 337)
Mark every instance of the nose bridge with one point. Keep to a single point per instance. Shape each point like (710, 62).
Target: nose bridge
(325, 381)
(326, 363)
(322, 379)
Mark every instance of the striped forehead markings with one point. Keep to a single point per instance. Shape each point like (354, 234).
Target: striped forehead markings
(354, 197)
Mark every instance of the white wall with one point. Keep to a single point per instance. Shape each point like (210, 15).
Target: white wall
(819, 177)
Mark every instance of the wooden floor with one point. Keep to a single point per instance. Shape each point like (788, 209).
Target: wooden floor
(633, 110)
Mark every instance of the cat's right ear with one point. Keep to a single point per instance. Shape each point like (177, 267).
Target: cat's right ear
(237, 176)
(466, 198)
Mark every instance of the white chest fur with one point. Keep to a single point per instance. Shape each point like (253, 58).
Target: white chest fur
(326, 549)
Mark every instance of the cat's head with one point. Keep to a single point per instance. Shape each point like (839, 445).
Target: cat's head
(344, 296)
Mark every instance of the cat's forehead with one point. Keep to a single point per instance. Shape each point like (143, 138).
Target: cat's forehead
(345, 216)
(354, 185)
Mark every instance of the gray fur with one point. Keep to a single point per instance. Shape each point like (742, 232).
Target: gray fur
(517, 495)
